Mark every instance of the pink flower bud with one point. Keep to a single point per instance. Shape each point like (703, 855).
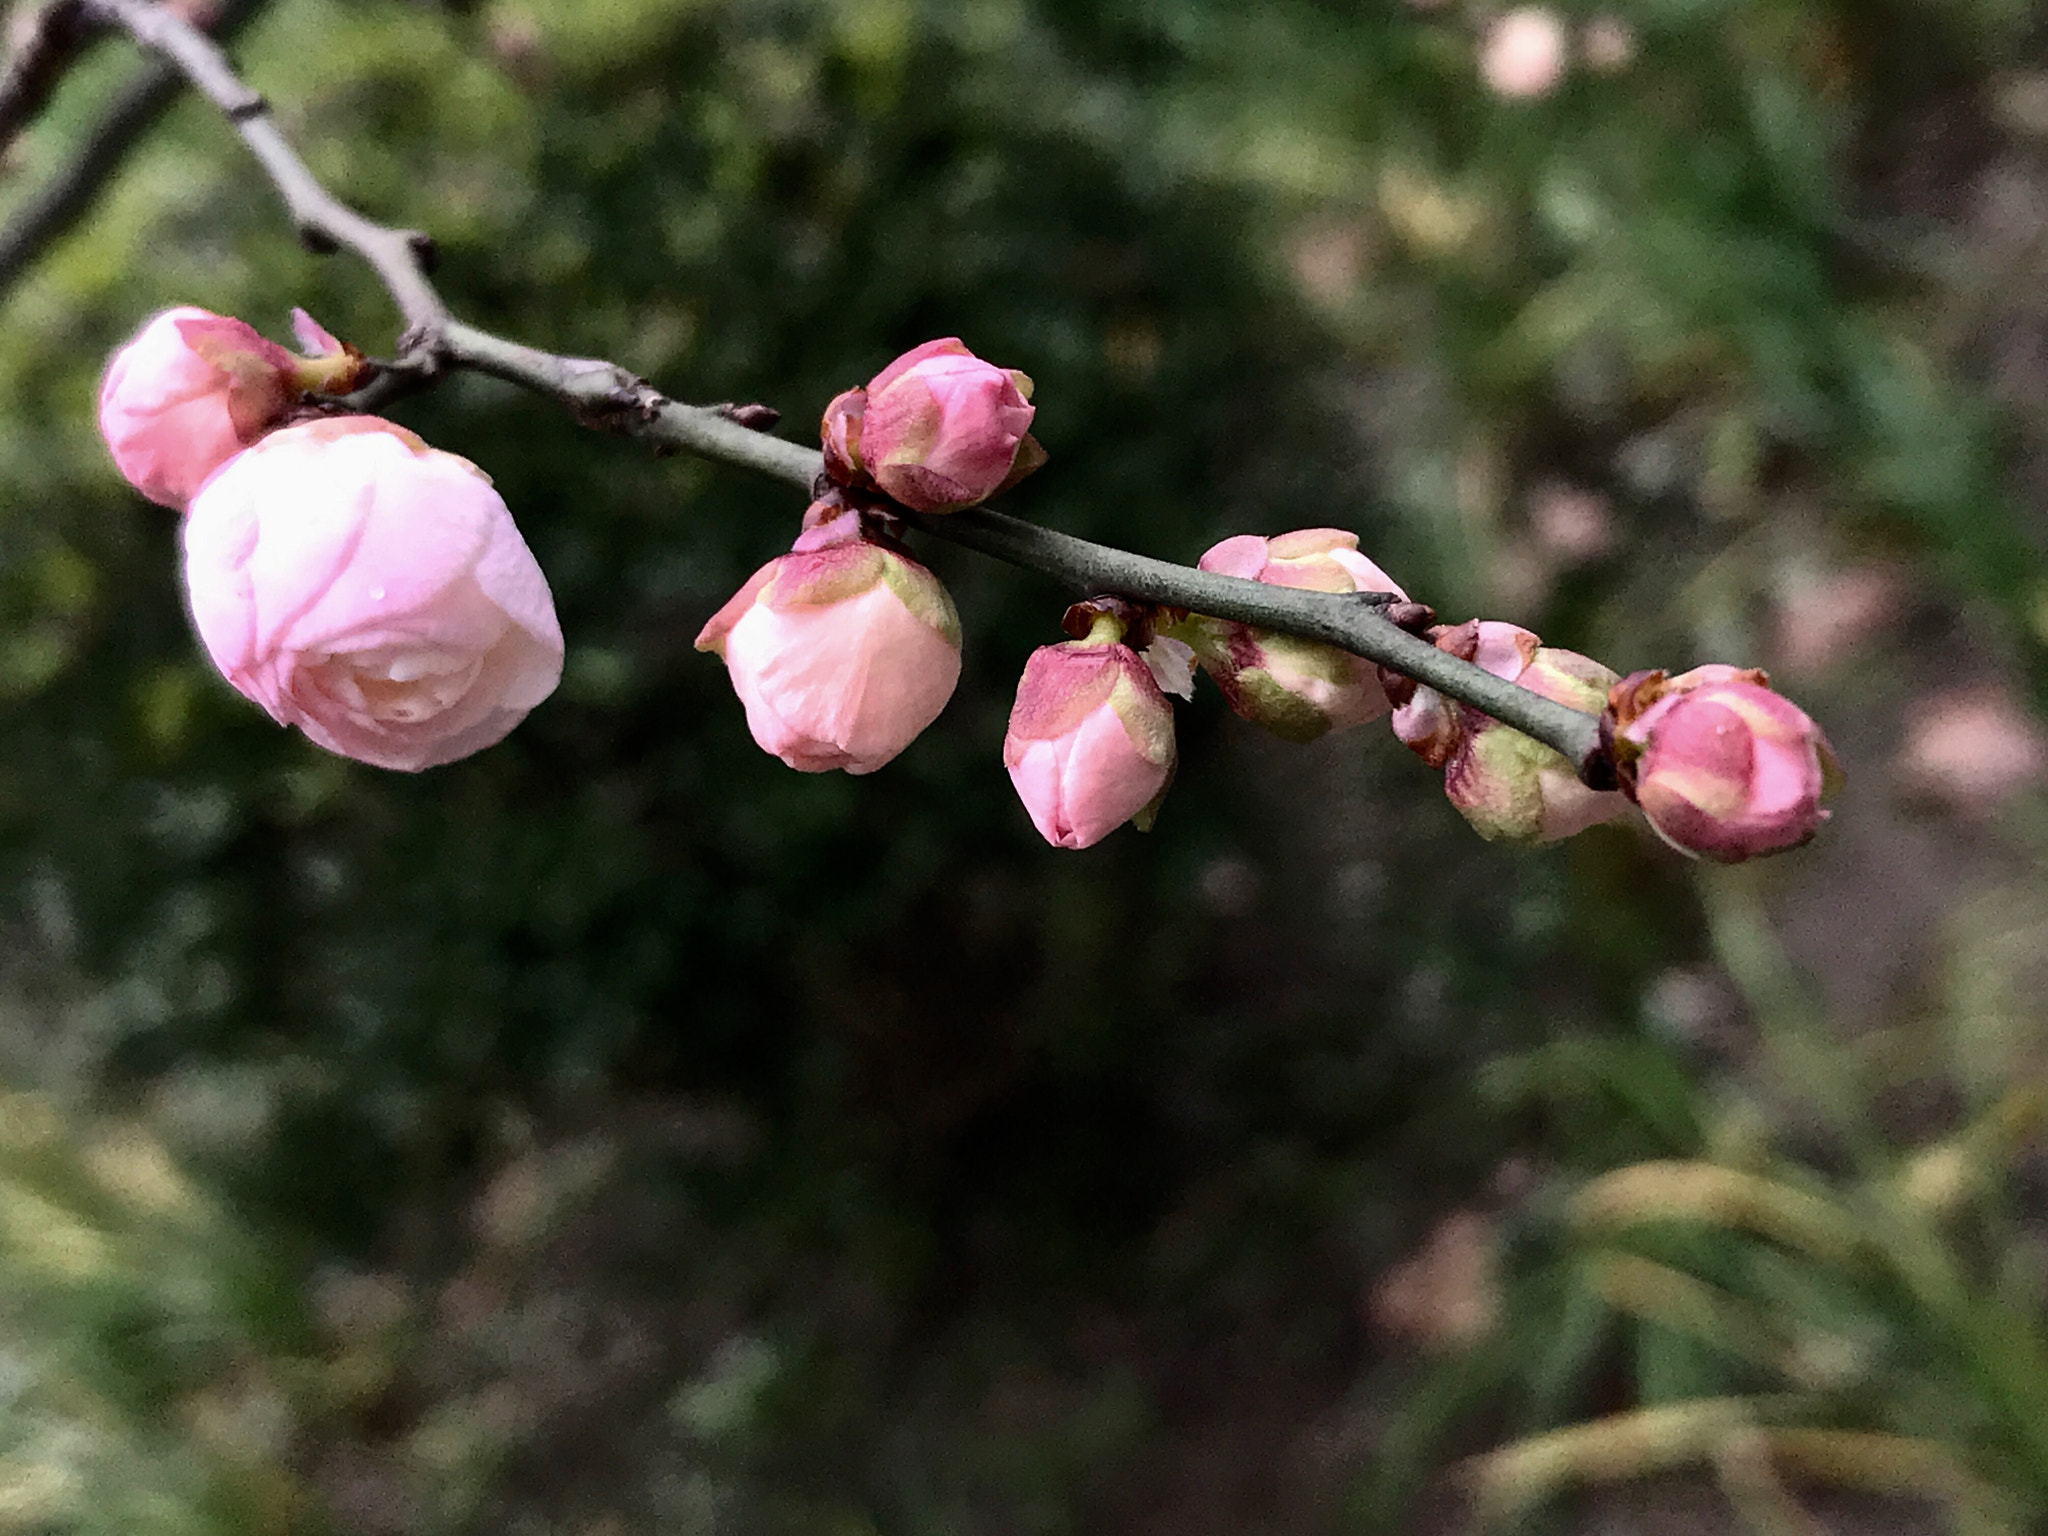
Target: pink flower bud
(372, 591)
(1297, 689)
(1090, 744)
(937, 430)
(1722, 766)
(1509, 786)
(842, 650)
(190, 392)
(841, 433)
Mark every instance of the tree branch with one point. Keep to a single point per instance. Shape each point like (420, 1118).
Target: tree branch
(136, 106)
(602, 394)
(400, 257)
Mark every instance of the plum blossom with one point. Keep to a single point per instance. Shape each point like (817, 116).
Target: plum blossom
(1523, 53)
(1090, 744)
(372, 591)
(937, 430)
(1507, 785)
(1721, 765)
(842, 650)
(1298, 689)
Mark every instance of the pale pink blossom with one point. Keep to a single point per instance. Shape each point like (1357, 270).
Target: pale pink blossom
(1609, 44)
(1721, 765)
(1523, 53)
(1173, 665)
(842, 650)
(188, 393)
(937, 430)
(1330, 261)
(1572, 524)
(1825, 619)
(372, 591)
(1090, 744)
(1298, 689)
(1973, 747)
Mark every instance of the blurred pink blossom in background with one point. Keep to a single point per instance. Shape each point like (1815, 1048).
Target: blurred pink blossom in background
(1571, 524)
(1972, 748)
(1609, 44)
(1824, 620)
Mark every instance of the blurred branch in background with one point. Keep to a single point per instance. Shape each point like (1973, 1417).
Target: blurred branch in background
(137, 104)
(41, 39)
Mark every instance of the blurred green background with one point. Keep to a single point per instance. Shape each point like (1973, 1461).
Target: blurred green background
(618, 1132)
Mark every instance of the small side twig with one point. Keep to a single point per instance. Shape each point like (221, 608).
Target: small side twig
(400, 257)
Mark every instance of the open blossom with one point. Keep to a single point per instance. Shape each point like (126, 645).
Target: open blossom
(1090, 744)
(372, 591)
(1298, 689)
(187, 394)
(1721, 765)
(936, 430)
(842, 650)
(1508, 785)
(193, 389)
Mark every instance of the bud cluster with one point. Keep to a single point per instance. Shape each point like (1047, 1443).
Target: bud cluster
(1506, 784)
(845, 663)
(375, 592)
(1297, 689)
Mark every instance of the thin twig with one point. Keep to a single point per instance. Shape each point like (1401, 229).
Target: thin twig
(399, 256)
(70, 190)
(603, 394)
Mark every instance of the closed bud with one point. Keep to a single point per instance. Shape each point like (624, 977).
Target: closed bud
(1090, 744)
(1297, 689)
(841, 432)
(1509, 786)
(842, 650)
(1723, 767)
(193, 389)
(190, 392)
(936, 430)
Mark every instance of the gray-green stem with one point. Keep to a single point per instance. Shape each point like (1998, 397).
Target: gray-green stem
(602, 393)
